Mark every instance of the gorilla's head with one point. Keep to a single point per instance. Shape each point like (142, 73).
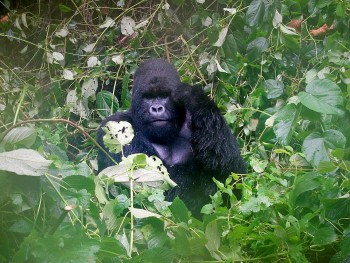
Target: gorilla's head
(155, 113)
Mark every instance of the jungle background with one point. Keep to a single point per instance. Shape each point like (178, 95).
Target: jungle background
(278, 70)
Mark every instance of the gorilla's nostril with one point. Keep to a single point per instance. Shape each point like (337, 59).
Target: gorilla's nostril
(157, 109)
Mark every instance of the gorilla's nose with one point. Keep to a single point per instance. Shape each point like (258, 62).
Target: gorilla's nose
(157, 109)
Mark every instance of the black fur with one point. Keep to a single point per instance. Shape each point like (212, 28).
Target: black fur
(194, 143)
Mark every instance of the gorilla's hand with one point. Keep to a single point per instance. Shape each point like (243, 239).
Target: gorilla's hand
(191, 97)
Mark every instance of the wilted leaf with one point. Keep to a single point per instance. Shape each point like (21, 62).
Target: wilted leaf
(24, 19)
(109, 22)
(62, 32)
(89, 87)
(24, 162)
(127, 26)
(221, 38)
(92, 61)
(67, 74)
(58, 56)
(277, 20)
(76, 105)
(141, 213)
(118, 59)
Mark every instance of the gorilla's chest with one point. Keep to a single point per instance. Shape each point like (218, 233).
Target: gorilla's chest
(176, 153)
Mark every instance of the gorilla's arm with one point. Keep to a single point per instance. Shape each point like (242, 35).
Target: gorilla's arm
(213, 143)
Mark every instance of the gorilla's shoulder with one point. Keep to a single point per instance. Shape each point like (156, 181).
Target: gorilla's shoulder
(119, 116)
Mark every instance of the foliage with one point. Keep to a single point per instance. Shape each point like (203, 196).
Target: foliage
(280, 73)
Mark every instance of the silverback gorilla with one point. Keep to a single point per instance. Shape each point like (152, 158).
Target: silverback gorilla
(183, 127)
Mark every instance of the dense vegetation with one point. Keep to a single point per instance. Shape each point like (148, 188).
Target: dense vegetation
(280, 73)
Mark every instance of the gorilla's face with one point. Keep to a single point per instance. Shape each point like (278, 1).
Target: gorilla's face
(155, 113)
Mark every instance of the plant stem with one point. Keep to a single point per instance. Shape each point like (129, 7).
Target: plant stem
(24, 91)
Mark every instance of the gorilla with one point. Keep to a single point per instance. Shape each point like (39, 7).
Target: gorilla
(184, 128)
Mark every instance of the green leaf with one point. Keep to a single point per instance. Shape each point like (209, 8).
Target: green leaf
(78, 182)
(255, 13)
(159, 255)
(60, 249)
(230, 47)
(109, 247)
(316, 145)
(21, 226)
(285, 123)
(324, 236)
(125, 97)
(21, 136)
(106, 103)
(273, 88)
(24, 162)
(178, 2)
(337, 208)
(256, 48)
(64, 8)
(304, 183)
(179, 211)
(322, 96)
(212, 234)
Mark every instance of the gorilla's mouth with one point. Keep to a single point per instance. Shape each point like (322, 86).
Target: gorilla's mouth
(160, 122)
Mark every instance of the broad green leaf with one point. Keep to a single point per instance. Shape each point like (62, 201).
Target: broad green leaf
(212, 234)
(158, 254)
(21, 136)
(106, 103)
(113, 209)
(326, 167)
(60, 249)
(78, 182)
(24, 162)
(304, 183)
(230, 47)
(274, 88)
(256, 48)
(285, 123)
(109, 247)
(179, 211)
(322, 96)
(337, 207)
(22, 226)
(255, 13)
(324, 236)
(316, 145)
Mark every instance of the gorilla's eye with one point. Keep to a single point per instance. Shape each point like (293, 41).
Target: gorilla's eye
(157, 94)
